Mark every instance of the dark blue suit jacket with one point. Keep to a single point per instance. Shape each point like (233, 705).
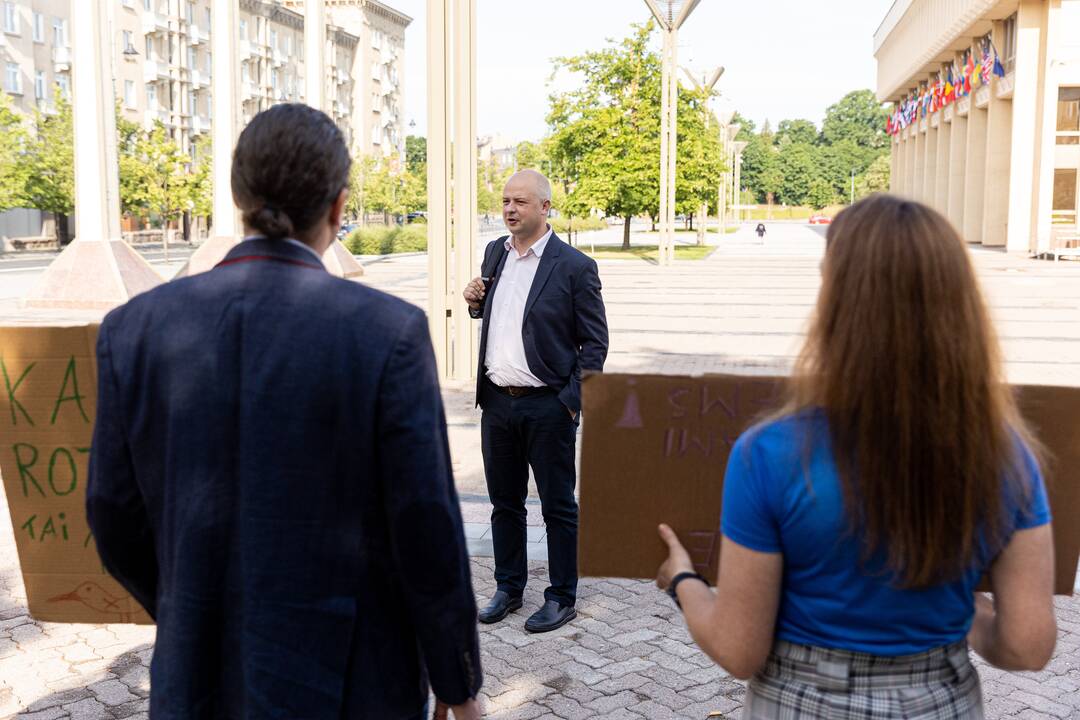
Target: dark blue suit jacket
(565, 327)
(270, 477)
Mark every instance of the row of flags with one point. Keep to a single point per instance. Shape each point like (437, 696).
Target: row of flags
(952, 84)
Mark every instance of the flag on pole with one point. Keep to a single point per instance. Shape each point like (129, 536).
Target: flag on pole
(969, 71)
(999, 69)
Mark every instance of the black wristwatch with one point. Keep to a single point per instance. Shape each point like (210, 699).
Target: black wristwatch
(678, 579)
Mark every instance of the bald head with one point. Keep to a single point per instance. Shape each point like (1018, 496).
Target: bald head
(526, 201)
(531, 180)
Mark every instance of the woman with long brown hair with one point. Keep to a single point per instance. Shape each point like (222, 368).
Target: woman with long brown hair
(858, 522)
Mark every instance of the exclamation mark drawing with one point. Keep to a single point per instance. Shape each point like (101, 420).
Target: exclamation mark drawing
(631, 416)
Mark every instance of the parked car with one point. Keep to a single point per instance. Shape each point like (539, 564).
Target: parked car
(819, 219)
(345, 230)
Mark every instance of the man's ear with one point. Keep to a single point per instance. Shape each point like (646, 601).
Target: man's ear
(337, 208)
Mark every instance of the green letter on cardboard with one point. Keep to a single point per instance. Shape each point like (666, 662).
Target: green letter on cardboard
(69, 373)
(12, 389)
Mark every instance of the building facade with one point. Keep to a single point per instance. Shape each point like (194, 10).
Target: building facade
(1002, 160)
(163, 63)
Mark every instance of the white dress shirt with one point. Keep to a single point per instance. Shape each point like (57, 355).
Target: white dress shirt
(505, 357)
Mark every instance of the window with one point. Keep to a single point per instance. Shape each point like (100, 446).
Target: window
(63, 83)
(192, 58)
(273, 40)
(274, 78)
(151, 96)
(1064, 209)
(190, 13)
(128, 3)
(1068, 116)
(376, 135)
(129, 41)
(59, 29)
(12, 79)
(11, 18)
(1008, 45)
(288, 44)
(39, 28)
(245, 72)
(39, 85)
(243, 30)
(209, 64)
(207, 18)
(193, 103)
(129, 94)
(149, 48)
(148, 5)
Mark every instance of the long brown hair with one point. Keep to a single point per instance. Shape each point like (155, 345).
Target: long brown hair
(902, 357)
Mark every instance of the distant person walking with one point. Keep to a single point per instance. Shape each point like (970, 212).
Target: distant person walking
(857, 524)
(270, 475)
(544, 325)
(761, 230)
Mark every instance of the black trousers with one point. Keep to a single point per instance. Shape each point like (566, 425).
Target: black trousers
(518, 433)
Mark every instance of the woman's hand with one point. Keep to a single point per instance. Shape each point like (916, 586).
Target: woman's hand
(678, 559)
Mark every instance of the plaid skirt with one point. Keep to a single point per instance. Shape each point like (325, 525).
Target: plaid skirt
(800, 681)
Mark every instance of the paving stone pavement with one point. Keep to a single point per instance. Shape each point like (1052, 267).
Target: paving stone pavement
(628, 654)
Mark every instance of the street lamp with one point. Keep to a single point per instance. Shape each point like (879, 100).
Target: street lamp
(671, 15)
(705, 86)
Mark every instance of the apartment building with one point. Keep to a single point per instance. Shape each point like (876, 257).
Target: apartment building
(986, 126)
(376, 74)
(163, 63)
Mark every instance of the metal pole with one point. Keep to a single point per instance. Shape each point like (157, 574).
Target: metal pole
(464, 215)
(665, 118)
(439, 178)
(668, 252)
(852, 187)
(315, 53)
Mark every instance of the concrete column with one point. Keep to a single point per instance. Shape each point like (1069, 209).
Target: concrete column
(1046, 127)
(1025, 153)
(337, 258)
(465, 229)
(98, 270)
(957, 161)
(909, 164)
(439, 178)
(226, 229)
(996, 202)
(315, 53)
(975, 174)
(919, 176)
(941, 182)
(930, 142)
(894, 163)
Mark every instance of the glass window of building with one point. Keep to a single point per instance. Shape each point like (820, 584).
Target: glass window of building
(12, 79)
(39, 85)
(209, 63)
(151, 96)
(1068, 116)
(63, 82)
(39, 28)
(11, 18)
(192, 58)
(59, 29)
(129, 41)
(1065, 196)
(243, 29)
(148, 5)
(189, 12)
(149, 48)
(1008, 45)
(207, 19)
(193, 103)
(129, 94)
(273, 40)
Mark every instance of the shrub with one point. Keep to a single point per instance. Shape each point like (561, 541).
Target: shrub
(561, 224)
(387, 240)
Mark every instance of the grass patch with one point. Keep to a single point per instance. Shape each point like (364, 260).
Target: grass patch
(561, 225)
(647, 252)
(379, 240)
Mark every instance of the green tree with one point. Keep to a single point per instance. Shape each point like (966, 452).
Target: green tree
(50, 184)
(747, 127)
(797, 163)
(157, 176)
(760, 168)
(530, 155)
(797, 131)
(699, 163)
(821, 193)
(13, 154)
(875, 179)
(362, 167)
(840, 159)
(416, 153)
(606, 132)
(857, 117)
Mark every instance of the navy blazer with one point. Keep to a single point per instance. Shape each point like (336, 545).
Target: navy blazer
(270, 478)
(565, 326)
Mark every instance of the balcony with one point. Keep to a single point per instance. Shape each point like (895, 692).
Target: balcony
(196, 35)
(245, 49)
(198, 79)
(250, 90)
(154, 22)
(200, 125)
(61, 57)
(157, 115)
(154, 71)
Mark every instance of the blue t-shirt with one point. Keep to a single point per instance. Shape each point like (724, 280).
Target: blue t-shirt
(782, 493)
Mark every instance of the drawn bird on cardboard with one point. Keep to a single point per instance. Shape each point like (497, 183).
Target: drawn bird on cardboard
(98, 599)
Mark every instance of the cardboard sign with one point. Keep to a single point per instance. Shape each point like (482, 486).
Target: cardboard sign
(655, 449)
(48, 398)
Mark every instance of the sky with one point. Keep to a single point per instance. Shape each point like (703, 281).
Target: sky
(782, 58)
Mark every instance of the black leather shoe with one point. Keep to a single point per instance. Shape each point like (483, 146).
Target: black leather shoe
(551, 616)
(500, 606)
